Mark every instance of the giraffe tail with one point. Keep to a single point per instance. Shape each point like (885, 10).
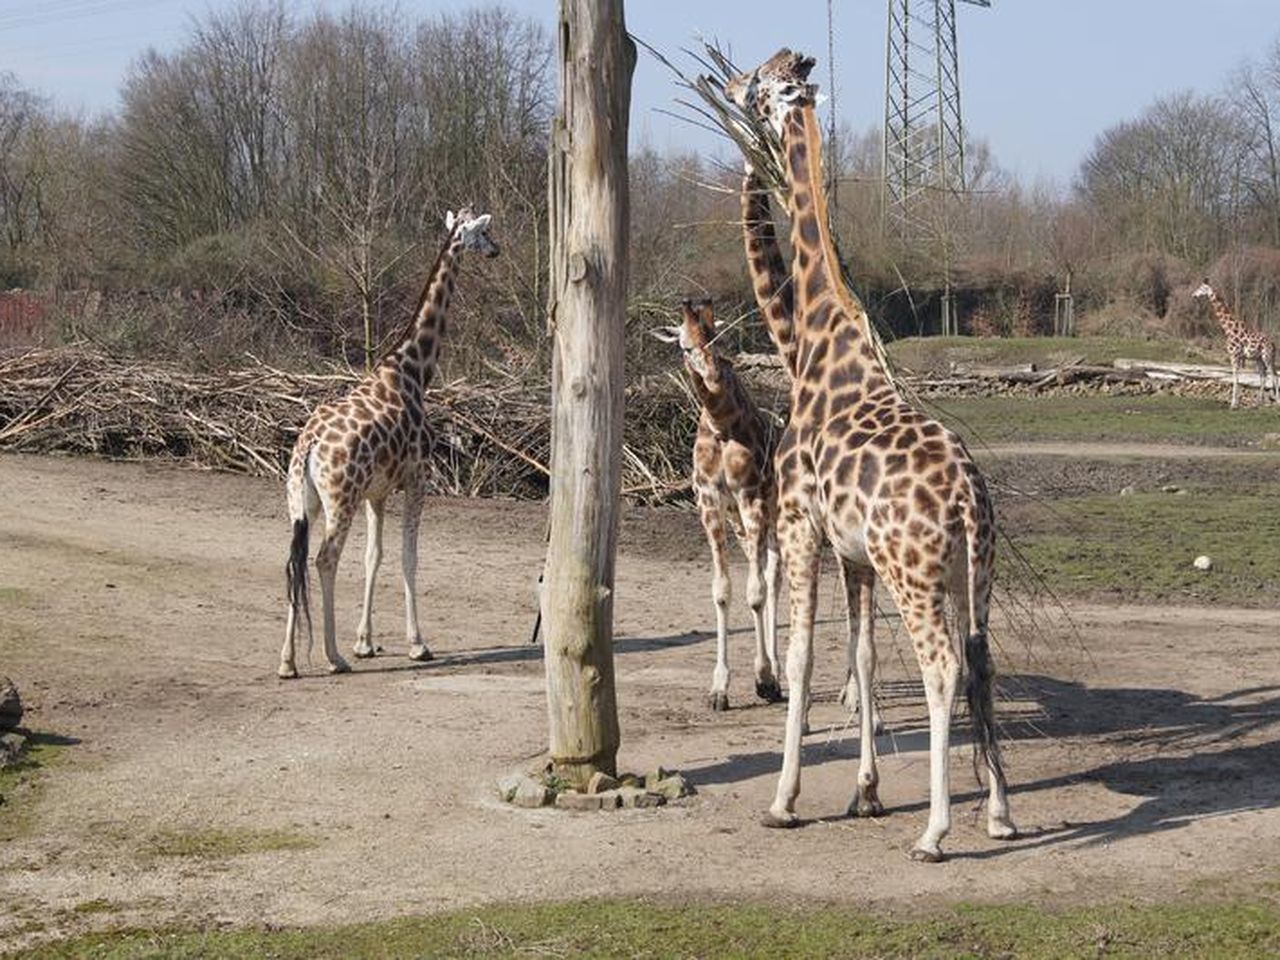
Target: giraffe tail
(980, 672)
(295, 573)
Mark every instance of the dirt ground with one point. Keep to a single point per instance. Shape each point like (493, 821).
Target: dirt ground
(141, 613)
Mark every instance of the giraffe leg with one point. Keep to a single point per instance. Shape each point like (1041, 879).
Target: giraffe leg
(860, 632)
(335, 537)
(866, 802)
(712, 513)
(414, 495)
(771, 573)
(755, 543)
(372, 559)
(1235, 383)
(801, 548)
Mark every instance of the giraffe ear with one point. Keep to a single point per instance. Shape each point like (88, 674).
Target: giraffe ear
(482, 222)
(666, 334)
(449, 221)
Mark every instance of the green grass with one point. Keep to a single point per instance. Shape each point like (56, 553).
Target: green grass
(935, 354)
(214, 844)
(1155, 418)
(642, 929)
(1141, 547)
(22, 783)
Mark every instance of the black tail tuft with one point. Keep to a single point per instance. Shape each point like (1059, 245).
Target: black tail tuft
(978, 694)
(295, 572)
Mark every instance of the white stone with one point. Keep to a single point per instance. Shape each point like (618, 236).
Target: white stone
(1203, 563)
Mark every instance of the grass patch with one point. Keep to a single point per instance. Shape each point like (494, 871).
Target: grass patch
(1153, 418)
(22, 783)
(1141, 547)
(641, 929)
(936, 354)
(15, 597)
(220, 844)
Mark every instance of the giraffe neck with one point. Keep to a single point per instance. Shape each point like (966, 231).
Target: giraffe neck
(722, 399)
(775, 295)
(821, 295)
(1230, 325)
(417, 354)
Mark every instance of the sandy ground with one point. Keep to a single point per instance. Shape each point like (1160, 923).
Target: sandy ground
(142, 610)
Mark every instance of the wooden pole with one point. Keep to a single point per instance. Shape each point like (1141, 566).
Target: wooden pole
(586, 316)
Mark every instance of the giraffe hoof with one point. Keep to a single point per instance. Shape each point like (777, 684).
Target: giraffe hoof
(774, 822)
(719, 702)
(770, 691)
(419, 652)
(1002, 829)
(866, 804)
(287, 671)
(339, 666)
(364, 649)
(926, 855)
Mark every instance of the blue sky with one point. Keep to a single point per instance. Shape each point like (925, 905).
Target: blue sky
(1041, 78)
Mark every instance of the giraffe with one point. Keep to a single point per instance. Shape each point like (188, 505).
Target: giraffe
(367, 445)
(1243, 344)
(895, 493)
(732, 481)
(775, 298)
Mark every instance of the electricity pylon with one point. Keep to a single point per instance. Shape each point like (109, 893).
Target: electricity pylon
(923, 162)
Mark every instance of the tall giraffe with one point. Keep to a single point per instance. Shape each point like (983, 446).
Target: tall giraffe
(896, 494)
(364, 447)
(775, 297)
(1243, 344)
(733, 481)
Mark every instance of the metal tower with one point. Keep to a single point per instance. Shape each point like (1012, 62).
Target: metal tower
(923, 163)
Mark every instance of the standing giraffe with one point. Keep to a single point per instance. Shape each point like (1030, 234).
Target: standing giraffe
(1243, 344)
(775, 297)
(733, 481)
(367, 445)
(896, 494)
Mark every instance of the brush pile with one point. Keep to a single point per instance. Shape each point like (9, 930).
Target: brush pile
(493, 438)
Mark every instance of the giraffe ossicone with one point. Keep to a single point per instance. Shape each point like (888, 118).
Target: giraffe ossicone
(895, 493)
(365, 446)
(733, 484)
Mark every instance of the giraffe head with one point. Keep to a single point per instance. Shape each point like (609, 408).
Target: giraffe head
(775, 86)
(696, 334)
(1204, 290)
(471, 231)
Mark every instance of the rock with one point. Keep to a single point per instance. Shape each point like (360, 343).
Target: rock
(1127, 491)
(672, 788)
(601, 782)
(636, 797)
(631, 780)
(531, 794)
(1202, 563)
(655, 776)
(507, 787)
(573, 800)
(11, 745)
(10, 705)
(1171, 488)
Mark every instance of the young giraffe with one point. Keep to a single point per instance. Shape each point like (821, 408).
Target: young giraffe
(365, 446)
(733, 480)
(897, 495)
(1243, 344)
(775, 297)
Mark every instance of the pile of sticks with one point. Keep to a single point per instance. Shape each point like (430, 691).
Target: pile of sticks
(493, 438)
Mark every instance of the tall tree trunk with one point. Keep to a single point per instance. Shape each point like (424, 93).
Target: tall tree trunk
(586, 316)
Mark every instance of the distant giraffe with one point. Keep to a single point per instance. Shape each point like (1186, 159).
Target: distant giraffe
(1243, 344)
(775, 298)
(366, 446)
(733, 482)
(896, 494)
